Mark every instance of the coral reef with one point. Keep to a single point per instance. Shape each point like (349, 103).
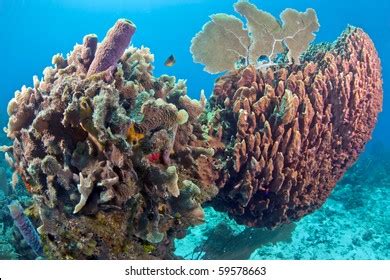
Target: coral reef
(224, 42)
(7, 251)
(116, 160)
(344, 228)
(12, 244)
(292, 131)
(119, 163)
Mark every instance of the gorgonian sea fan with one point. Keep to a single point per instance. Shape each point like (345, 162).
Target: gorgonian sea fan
(224, 41)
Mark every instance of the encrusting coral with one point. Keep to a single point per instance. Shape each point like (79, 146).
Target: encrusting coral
(224, 42)
(291, 132)
(102, 145)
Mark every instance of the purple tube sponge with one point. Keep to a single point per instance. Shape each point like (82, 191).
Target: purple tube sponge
(113, 46)
(25, 227)
(89, 49)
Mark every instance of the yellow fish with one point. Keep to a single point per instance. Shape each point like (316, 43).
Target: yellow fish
(171, 60)
(133, 136)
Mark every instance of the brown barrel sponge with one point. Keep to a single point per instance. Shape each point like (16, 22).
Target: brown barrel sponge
(292, 131)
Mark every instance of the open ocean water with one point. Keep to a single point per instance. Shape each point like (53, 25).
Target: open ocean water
(354, 223)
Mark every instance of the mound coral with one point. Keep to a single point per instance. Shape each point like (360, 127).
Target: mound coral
(292, 131)
(85, 140)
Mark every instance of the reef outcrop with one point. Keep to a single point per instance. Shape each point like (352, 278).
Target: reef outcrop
(116, 159)
(119, 162)
(291, 131)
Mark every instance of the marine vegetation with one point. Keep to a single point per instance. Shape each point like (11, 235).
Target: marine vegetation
(119, 163)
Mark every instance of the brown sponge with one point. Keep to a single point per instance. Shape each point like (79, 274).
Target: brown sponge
(293, 131)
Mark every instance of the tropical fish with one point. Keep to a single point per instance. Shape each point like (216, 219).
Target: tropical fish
(26, 228)
(171, 60)
(134, 136)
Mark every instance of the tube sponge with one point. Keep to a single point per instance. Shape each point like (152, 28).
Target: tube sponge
(113, 46)
(25, 227)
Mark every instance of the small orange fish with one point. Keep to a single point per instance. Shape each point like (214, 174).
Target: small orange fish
(171, 60)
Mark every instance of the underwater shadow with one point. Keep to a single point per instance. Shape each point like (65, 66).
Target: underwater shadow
(223, 243)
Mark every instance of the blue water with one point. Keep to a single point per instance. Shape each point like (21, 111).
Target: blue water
(32, 31)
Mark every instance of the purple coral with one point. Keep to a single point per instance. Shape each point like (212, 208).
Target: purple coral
(113, 46)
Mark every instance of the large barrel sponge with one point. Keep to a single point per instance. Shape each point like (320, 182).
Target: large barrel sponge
(291, 132)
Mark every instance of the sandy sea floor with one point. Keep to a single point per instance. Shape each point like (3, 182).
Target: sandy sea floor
(354, 223)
